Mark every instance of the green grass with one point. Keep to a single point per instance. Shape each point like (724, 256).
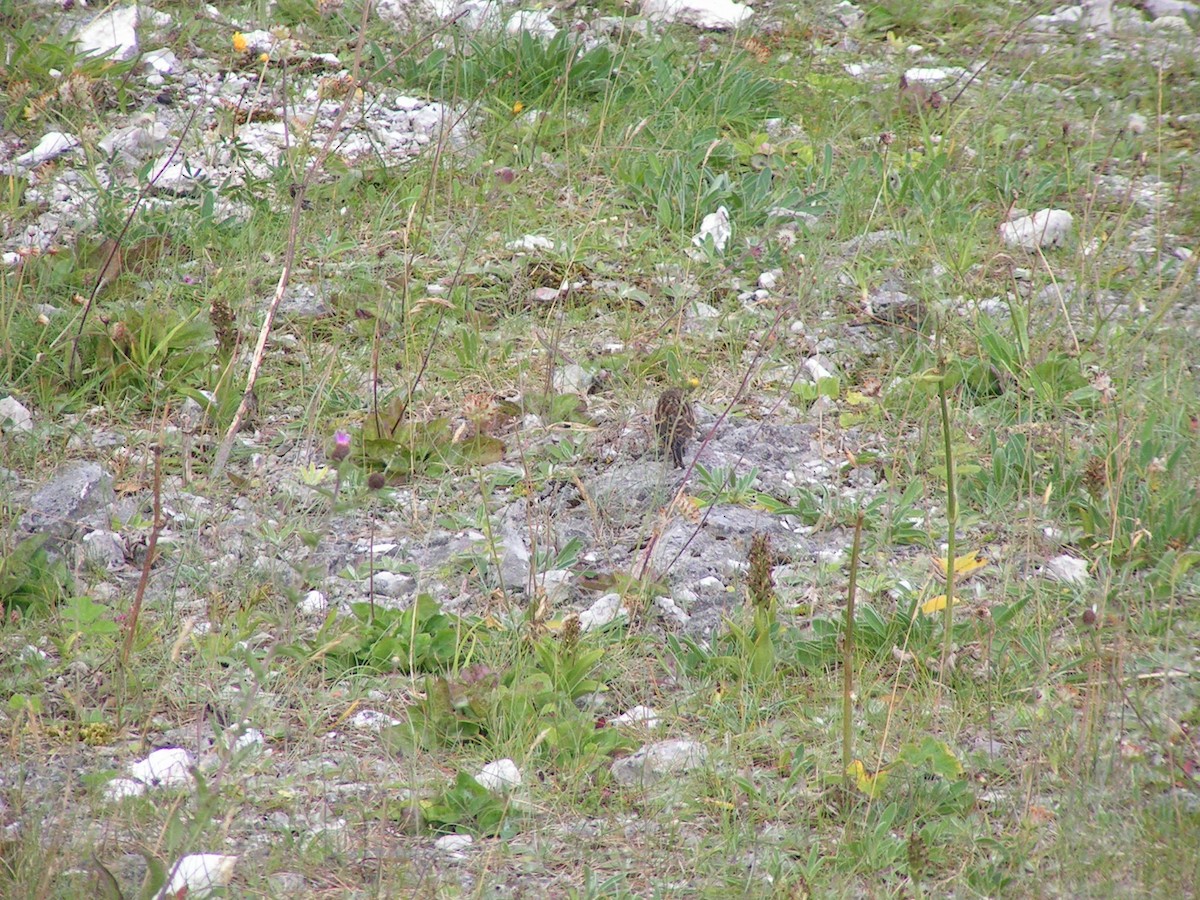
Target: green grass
(1055, 756)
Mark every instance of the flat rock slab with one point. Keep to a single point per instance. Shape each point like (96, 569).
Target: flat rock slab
(74, 493)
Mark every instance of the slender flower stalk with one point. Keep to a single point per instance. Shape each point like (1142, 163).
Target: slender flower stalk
(341, 449)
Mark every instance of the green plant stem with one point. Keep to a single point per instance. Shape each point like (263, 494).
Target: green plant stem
(951, 523)
(848, 654)
(371, 573)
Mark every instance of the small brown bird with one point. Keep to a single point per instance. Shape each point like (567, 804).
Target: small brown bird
(675, 423)
(917, 98)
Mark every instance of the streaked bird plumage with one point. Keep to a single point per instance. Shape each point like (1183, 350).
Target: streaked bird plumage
(675, 423)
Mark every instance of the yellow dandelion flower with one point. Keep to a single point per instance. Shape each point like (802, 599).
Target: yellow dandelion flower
(239, 42)
(517, 107)
(264, 57)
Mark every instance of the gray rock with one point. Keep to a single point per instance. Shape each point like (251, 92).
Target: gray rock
(138, 141)
(304, 301)
(453, 844)
(161, 61)
(675, 540)
(14, 416)
(113, 33)
(601, 612)
(1097, 15)
(51, 145)
(179, 176)
(848, 14)
(654, 762)
(1159, 8)
(75, 492)
(712, 15)
(104, 548)
(534, 21)
(625, 492)
(514, 559)
(1045, 228)
(391, 584)
(1171, 25)
(286, 884)
(670, 612)
(573, 379)
(556, 584)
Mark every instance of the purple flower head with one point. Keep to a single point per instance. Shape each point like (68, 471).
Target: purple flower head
(341, 446)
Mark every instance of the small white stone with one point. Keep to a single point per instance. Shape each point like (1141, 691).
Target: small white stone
(670, 611)
(600, 613)
(1172, 24)
(391, 584)
(715, 225)
(52, 144)
(1045, 228)
(534, 21)
(816, 369)
(925, 76)
(529, 243)
(120, 788)
(259, 41)
(14, 416)
(544, 294)
(251, 737)
(453, 843)
(572, 379)
(313, 604)
(179, 176)
(768, 280)
(1159, 8)
(162, 61)
(198, 874)
(372, 720)
(500, 777)
(112, 34)
(163, 768)
(1068, 569)
(105, 548)
(831, 556)
(714, 15)
(654, 762)
(1064, 15)
(556, 583)
(638, 715)
(136, 141)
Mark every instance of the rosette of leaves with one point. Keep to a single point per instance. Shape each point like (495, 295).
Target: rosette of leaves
(420, 638)
(402, 448)
(30, 579)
